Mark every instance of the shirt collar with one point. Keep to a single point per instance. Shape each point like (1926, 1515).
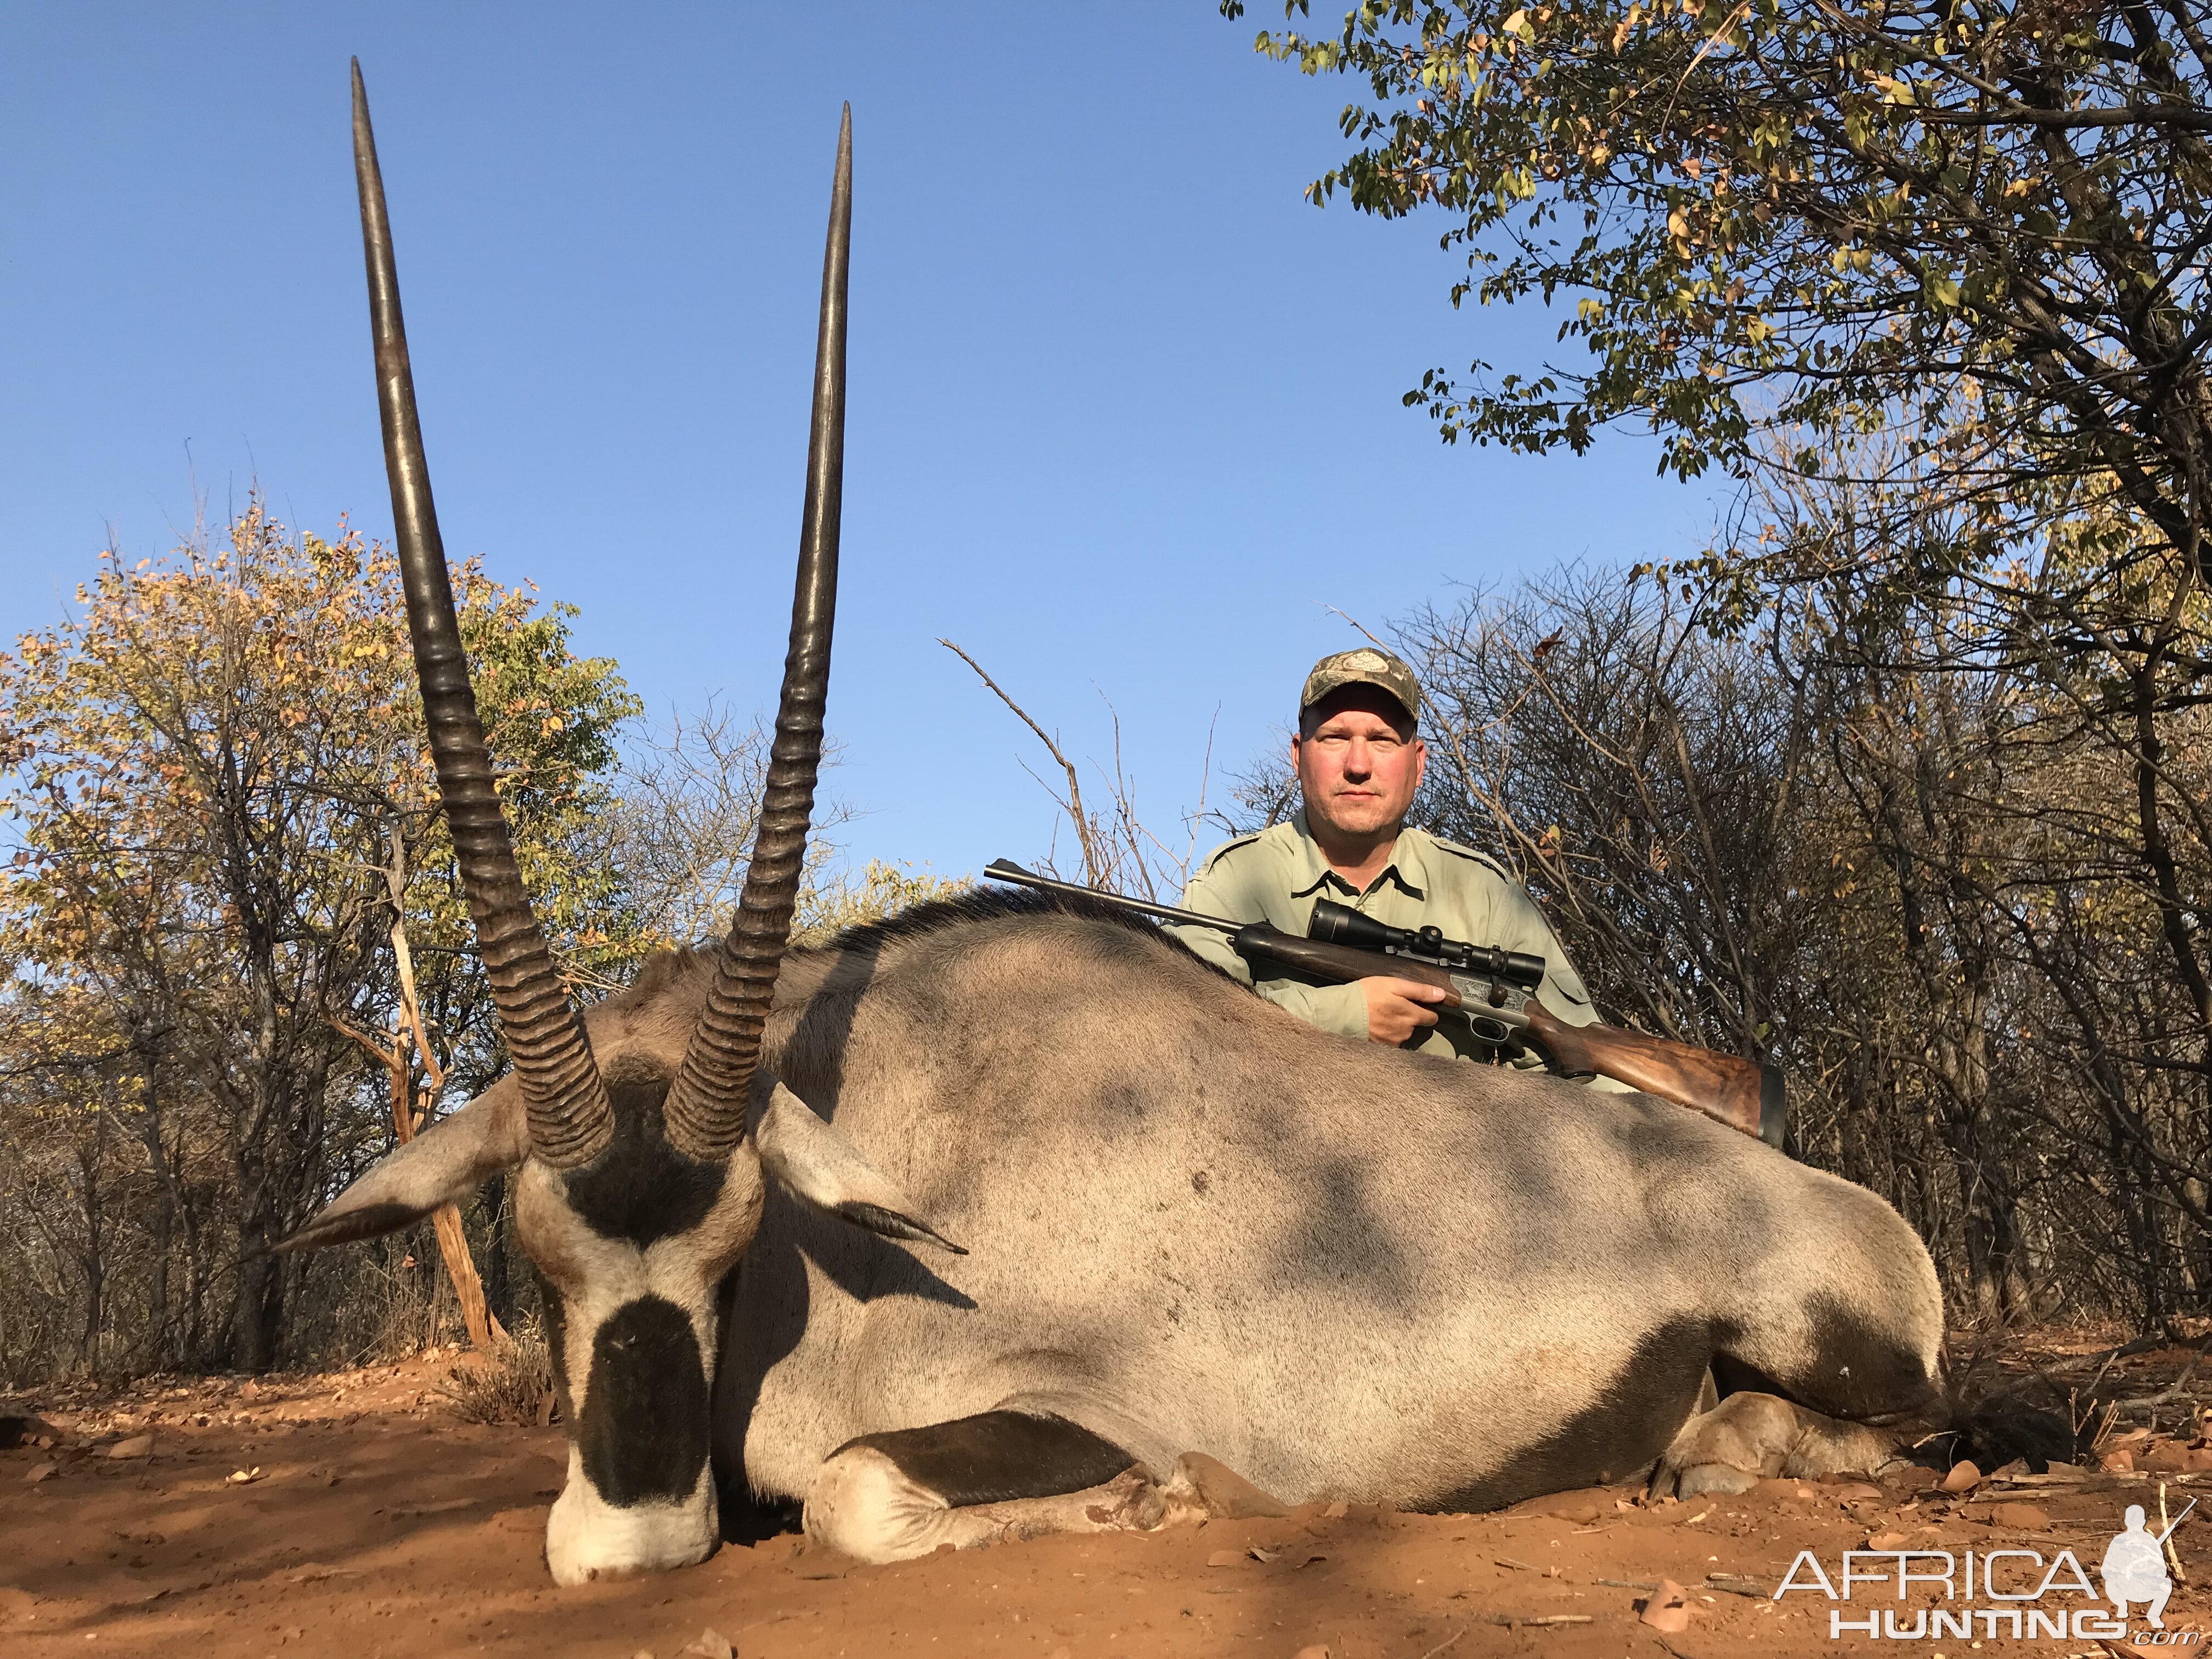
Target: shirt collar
(1406, 868)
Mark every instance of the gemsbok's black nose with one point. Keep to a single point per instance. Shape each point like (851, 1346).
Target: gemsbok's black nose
(642, 1430)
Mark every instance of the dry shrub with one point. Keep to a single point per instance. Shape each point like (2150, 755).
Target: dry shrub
(512, 1385)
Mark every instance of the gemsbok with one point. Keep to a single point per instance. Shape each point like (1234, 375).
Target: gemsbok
(1006, 1215)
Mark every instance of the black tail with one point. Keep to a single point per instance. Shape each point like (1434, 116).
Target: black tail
(2001, 1428)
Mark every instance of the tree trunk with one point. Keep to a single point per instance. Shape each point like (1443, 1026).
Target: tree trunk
(484, 1331)
(499, 1289)
(256, 1300)
(96, 1277)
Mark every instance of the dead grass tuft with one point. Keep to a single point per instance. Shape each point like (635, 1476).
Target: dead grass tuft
(513, 1385)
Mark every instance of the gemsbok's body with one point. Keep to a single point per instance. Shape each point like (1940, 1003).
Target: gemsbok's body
(1005, 1216)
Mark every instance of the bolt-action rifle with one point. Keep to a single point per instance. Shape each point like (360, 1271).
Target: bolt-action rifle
(1493, 990)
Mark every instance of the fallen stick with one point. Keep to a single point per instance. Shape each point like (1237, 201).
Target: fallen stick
(1711, 1583)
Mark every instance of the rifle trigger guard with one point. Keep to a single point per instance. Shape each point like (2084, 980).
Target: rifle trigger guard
(1489, 1030)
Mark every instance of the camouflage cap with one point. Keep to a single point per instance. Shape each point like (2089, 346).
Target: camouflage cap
(1365, 666)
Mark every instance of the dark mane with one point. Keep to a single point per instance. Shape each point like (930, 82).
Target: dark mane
(986, 904)
(665, 968)
(993, 903)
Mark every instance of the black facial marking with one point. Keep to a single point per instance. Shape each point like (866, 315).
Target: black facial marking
(998, 1456)
(640, 1188)
(643, 1434)
(1618, 1435)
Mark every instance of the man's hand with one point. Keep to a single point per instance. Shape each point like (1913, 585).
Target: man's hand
(1398, 1009)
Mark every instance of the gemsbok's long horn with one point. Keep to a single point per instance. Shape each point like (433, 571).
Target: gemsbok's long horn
(705, 1112)
(570, 1121)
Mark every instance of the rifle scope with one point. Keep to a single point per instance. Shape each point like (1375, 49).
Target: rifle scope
(1340, 924)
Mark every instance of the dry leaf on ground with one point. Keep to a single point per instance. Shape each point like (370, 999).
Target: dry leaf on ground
(1965, 1476)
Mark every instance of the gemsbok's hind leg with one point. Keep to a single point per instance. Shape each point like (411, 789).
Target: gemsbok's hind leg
(1755, 1436)
(1839, 1377)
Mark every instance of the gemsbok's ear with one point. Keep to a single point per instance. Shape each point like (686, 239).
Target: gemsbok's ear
(442, 1165)
(816, 1165)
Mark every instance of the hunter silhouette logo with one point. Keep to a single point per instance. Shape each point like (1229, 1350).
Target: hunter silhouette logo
(2134, 1567)
(2007, 1592)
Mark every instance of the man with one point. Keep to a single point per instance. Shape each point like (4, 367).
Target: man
(1359, 758)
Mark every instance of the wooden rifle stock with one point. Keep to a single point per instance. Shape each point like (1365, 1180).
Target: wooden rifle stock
(1740, 1093)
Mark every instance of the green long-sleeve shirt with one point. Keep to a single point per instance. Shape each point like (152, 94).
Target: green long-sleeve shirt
(1276, 875)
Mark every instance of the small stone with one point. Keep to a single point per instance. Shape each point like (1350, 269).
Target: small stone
(138, 1445)
(1317, 1650)
(1338, 1511)
(1225, 1558)
(710, 1643)
(38, 1471)
(2026, 1516)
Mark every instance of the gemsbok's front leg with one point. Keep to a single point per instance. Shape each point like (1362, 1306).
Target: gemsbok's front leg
(980, 1480)
(1003, 1475)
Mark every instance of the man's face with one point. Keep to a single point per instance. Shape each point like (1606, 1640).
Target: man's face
(1358, 761)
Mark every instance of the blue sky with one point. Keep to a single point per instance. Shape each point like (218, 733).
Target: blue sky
(1125, 411)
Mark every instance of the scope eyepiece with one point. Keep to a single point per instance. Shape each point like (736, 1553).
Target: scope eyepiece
(1340, 924)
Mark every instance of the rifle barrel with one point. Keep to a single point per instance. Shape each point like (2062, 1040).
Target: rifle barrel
(1001, 870)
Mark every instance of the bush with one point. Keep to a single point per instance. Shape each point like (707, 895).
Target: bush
(512, 1385)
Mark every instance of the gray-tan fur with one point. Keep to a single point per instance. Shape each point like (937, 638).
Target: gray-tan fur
(1197, 1223)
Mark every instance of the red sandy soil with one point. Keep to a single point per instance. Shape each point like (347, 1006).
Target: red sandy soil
(380, 1524)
